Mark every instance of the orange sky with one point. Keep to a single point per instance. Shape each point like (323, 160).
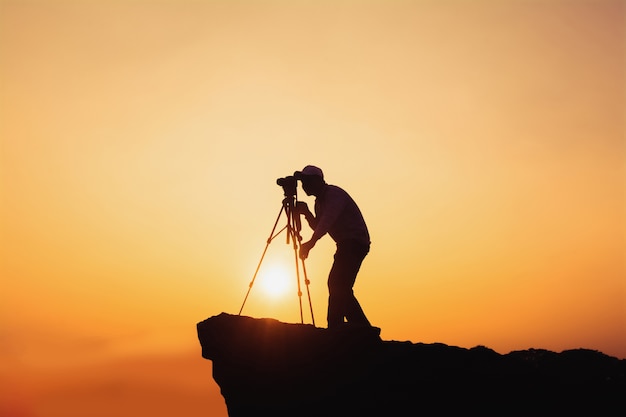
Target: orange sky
(484, 141)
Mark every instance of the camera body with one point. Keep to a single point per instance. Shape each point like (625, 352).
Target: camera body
(289, 185)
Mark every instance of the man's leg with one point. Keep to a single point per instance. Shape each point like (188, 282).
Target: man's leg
(341, 300)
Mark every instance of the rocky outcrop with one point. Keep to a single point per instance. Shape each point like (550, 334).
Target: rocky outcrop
(268, 368)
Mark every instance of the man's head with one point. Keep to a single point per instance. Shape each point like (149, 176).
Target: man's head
(310, 171)
(312, 180)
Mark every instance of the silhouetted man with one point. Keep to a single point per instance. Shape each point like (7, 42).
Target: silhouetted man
(337, 214)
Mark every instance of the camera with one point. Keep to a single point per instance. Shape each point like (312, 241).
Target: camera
(289, 185)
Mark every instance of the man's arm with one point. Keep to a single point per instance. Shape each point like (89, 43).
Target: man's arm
(303, 209)
(335, 202)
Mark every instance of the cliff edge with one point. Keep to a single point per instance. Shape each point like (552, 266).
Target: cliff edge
(268, 368)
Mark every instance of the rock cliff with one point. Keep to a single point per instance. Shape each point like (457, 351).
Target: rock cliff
(268, 368)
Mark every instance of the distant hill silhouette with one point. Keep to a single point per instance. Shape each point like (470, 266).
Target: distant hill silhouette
(268, 368)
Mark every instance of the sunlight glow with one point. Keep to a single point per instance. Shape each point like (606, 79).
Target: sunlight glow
(275, 280)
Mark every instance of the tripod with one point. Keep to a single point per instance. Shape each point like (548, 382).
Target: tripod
(293, 228)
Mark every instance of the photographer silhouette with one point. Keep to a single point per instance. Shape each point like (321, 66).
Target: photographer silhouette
(337, 214)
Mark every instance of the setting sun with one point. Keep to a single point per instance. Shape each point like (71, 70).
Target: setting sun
(275, 280)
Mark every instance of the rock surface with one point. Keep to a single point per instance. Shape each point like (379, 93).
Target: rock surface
(268, 368)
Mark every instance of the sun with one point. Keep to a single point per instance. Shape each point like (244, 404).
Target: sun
(275, 280)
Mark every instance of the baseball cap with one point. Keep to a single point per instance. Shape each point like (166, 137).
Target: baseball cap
(311, 170)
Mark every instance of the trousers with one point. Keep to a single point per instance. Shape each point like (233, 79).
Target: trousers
(341, 300)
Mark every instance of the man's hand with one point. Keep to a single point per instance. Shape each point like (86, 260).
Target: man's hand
(305, 248)
(302, 208)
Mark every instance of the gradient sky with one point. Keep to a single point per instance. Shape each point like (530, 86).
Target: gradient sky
(484, 141)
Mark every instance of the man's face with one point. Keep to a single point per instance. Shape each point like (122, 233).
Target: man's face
(309, 185)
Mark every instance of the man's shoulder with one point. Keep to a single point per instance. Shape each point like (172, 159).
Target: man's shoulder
(335, 189)
(336, 194)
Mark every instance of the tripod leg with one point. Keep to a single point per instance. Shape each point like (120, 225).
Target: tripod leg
(296, 238)
(295, 252)
(308, 293)
(269, 240)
